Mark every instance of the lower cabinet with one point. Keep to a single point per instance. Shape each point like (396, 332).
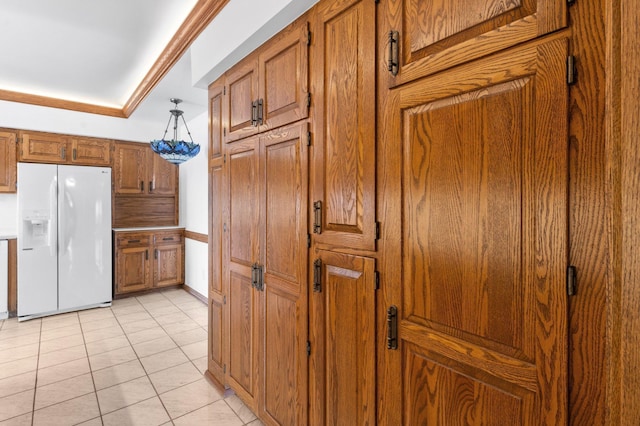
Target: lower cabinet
(148, 259)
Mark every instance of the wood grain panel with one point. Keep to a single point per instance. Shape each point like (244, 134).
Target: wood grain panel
(130, 168)
(91, 151)
(342, 317)
(216, 340)
(216, 224)
(242, 91)
(168, 264)
(244, 310)
(163, 175)
(344, 122)
(483, 174)
(216, 119)
(244, 204)
(8, 169)
(285, 163)
(44, 148)
(129, 211)
(442, 396)
(283, 71)
(196, 236)
(589, 226)
(13, 276)
(134, 269)
(440, 34)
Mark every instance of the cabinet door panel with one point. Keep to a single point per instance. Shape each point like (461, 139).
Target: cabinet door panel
(244, 344)
(484, 241)
(169, 261)
(217, 290)
(242, 91)
(216, 119)
(129, 168)
(7, 162)
(344, 123)
(284, 226)
(134, 269)
(284, 77)
(342, 318)
(435, 35)
(44, 148)
(92, 152)
(163, 176)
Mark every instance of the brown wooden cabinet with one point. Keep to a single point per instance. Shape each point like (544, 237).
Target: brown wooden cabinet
(424, 38)
(56, 148)
(343, 338)
(269, 88)
(344, 124)
(148, 259)
(138, 170)
(216, 118)
(8, 169)
(265, 272)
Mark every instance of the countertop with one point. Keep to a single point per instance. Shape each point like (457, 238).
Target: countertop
(153, 228)
(8, 234)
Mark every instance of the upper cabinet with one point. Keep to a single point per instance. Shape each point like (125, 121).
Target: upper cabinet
(269, 88)
(137, 170)
(38, 147)
(7, 162)
(424, 37)
(344, 126)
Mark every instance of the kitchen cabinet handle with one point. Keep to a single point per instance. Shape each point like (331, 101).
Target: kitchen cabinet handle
(155, 254)
(151, 187)
(141, 186)
(254, 113)
(75, 153)
(63, 152)
(167, 239)
(133, 241)
(146, 254)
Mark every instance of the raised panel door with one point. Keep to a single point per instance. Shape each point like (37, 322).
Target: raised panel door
(218, 325)
(44, 148)
(343, 341)
(242, 242)
(482, 307)
(163, 175)
(91, 152)
(216, 119)
(168, 265)
(284, 238)
(130, 168)
(133, 269)
(240, 107)
(283, 70)
(435, 35)
(344, 124)
(8, 169)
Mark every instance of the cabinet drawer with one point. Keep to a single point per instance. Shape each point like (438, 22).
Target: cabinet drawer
(132, 240)
(168, 237)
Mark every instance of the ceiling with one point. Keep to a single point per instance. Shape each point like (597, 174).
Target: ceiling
(115, 57)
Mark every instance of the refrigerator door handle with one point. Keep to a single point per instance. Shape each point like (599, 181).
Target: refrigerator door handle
(53, 202)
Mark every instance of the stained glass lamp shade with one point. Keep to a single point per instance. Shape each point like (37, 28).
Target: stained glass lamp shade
(175, 151)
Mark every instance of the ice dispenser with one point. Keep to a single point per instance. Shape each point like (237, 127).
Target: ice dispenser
(36, 229)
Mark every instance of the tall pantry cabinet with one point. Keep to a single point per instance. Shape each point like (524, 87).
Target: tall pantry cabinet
(400, 256)
(259, 229)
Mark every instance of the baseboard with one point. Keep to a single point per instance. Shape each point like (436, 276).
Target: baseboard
(196, 294)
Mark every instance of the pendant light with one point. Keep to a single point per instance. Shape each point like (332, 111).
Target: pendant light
(175, 151)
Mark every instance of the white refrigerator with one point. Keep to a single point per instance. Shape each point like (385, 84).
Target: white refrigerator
(64, 238)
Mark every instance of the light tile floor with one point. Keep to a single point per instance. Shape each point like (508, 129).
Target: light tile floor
(139, 362)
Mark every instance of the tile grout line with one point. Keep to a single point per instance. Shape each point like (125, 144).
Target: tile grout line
(35, 385)
(93, 382)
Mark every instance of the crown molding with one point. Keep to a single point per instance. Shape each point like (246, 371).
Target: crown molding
(200, 16)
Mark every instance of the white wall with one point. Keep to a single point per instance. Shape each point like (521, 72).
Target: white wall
(194, 202)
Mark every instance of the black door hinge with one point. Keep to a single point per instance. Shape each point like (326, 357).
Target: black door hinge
(308, 100)
(224, 368)
(376, 279)
(317, 276)
(377, 230)
(308, 348)
(224, 299)
(308, 37)
(224, 90)
(308, 240)
(308, 138)
(224, 158)
(392, 327)
(571, 70)
(571, 280)
(571, 2)
(224, 131)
